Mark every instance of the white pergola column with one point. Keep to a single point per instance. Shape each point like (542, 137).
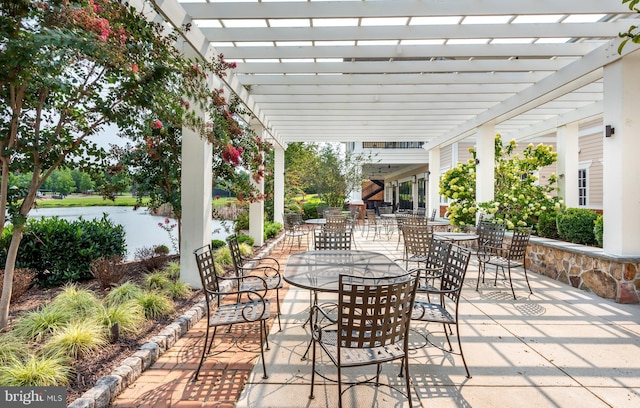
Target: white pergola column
(568, 149)
(278, 183)
(196, 202)
(256, 209)
(485, 169)
(621, 179)
(433, 193)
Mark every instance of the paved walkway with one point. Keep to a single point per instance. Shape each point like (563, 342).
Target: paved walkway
(560, 347)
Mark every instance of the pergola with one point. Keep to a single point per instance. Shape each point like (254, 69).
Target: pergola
(434, 72)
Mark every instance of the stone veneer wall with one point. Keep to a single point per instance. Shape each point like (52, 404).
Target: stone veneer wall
(586, 268)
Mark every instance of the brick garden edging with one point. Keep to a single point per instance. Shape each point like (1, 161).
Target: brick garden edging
(587, 268)
(110, 386)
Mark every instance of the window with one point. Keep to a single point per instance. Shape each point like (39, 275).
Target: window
(583, 193)
(422, 193)
(405, 195)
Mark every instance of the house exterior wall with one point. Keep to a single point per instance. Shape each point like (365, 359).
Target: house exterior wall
(590, 157)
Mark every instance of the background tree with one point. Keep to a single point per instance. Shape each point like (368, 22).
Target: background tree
(72, 67)
(518, 196)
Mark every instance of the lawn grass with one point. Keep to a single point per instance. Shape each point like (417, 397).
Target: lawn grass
(93, 201)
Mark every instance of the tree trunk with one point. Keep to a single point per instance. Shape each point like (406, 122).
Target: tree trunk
(7, 284)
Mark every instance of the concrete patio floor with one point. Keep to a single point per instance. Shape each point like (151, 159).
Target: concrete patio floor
(560, 347)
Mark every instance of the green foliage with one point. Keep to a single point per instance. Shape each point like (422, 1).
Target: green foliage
(155, 304)
(178, 289)
(35, 325)
(11, 348)
(36, 371)
(271, 229)
(547, 225)
(518, 197)
(598, 230)
(77, 339)
(576, 225)
(78, 303)
(632, 33)
(217, 243)
(310, 209)
(62, 251)
(246, 239)
(223, 256)
(245, 250)
(128, 315)
(172, 269)
(123, 294)
(156, 281)
(241, 222)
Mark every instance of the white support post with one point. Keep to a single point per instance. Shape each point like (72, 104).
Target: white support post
(278, 184)
(621, 178)
(433, 192)
(485, 167)
(568, 149)
(196, 202)
(256, 209)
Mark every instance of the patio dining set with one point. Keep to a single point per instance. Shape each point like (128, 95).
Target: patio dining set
(375, 302)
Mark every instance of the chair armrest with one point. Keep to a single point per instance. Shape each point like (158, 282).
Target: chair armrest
(259, 260)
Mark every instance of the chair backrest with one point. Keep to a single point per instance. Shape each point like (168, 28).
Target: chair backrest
(416, 239)
(490, 234)
(433, 215)
(323, 240)
(335, 224)
(371, 216)
(374, 312)
(416, 221)
(421, 212)
(455, 270)
(236, 255)
(519, 242)
(437, 254)
(208, 276)
(291, 220)
(385, 210)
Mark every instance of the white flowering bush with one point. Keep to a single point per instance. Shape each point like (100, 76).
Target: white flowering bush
(518, 197)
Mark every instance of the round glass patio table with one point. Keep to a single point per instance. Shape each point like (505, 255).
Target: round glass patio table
(316, 221)
(320, 270)
(455, 236)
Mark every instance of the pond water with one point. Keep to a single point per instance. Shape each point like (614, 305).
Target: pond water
(141, 228)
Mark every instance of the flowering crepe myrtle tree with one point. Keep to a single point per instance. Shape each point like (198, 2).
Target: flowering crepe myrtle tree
(70, 67)
(518, 196)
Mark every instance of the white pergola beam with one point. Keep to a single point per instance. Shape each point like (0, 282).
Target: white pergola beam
(400, 8)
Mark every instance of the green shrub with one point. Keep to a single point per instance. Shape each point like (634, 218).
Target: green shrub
(217, 243)
(246, 239)
(155, 304)
(156, 281)
(124, 293)
(271, 229)
(129, 316)
(547, 225)
(77, 339)
(223, 256)
(178, 289)
(245, 250)
(576, 225)
(36, 371)
(161, 250)
(11, 348)
(172, 269)
(310, 209)
(241, 222)
(61, 251)
(78, 303)
(35, 325)
(598, 229)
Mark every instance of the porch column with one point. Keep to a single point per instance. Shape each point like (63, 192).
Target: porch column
(568, 149)
(196, 193)
(278, 183)
(621, 176)
(485, 159)
(256, 209)
(433, 181)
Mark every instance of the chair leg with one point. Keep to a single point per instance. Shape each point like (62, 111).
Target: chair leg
(406, 375)
(513, 292)
(278, 308)
(263, 330)
(527, 278)
(204, 352)
(461, 352)
(339, 386)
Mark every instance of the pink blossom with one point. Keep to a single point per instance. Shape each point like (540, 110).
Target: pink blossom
(134, 68)
(156, 124)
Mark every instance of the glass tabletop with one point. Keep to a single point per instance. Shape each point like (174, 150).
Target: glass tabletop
(320, 270)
